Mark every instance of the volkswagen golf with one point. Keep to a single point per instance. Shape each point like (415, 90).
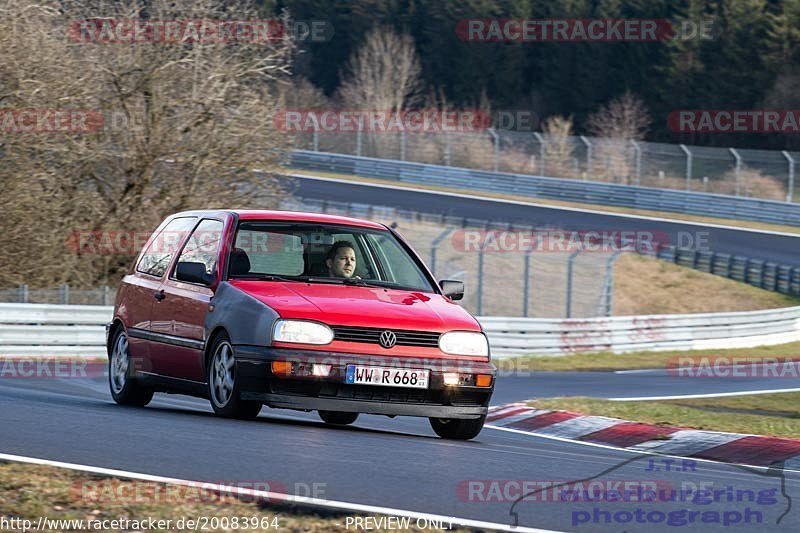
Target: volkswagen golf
(297, 311)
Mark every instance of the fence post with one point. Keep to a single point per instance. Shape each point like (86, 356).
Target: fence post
(638, 151)
(402, 145)
(23, 293)
(316, 138)
(608, 283)
(527, 274)
(735, 154)
(589, 155)
(688, 166)
(542, 158)
(63, 293)
(435, 246)
(790, 192)
(358, 141)
(479, 310)
(570, 262)
(105, 295)
(447, 148)
(496, 148)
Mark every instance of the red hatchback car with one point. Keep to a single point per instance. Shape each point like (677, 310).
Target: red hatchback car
(298, 311)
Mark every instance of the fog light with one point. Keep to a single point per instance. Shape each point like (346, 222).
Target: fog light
(483, 380)
(450, 378)
(321, 371)
(282, 368)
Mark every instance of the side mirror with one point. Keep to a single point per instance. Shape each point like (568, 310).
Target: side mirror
(453, 289)
(192, 272)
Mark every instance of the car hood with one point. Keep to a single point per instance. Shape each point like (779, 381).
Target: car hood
(345, 305)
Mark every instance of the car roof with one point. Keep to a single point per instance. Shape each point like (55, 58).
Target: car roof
(289, 216)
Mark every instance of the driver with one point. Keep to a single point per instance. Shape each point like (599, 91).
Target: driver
(341, 260)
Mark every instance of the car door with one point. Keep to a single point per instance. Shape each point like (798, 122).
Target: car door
(178, 315)
(143, 284)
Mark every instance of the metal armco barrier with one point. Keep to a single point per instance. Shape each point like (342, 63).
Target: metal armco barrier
(519, 336)
(53, 330)
(692, 203)
(72, 330)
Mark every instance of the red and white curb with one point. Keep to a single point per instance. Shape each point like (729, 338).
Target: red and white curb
(754, 450)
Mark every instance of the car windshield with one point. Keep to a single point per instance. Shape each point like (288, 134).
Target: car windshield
(321, 253)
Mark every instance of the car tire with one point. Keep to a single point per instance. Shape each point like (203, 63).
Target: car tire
(223, 387)
(457, 428)
(125, 388)
(338, 418)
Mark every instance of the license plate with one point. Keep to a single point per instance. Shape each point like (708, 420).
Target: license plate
(387, 377)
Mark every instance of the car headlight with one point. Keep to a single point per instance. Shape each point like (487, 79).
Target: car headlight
(464, 343)
(301, 332)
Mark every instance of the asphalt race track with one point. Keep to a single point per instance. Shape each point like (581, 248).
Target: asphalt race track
(400, 463)
(75, 420)
(780, 248)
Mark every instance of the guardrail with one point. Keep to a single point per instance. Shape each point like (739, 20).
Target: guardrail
(56, 330)
(518, 336)
(53, 330)
(763, 274)
(693, 203)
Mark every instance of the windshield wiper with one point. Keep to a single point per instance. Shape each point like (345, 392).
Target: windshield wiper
(362, 283)
(349, 281)
(265, 277)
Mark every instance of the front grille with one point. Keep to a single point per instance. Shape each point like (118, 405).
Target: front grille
(371, 335)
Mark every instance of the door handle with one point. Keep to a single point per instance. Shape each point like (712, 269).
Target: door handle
(159, 295)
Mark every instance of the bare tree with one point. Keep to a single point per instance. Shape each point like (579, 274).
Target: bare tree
(183, 126)
(624, 117)
(622, 120)
(383, 74)
(559, 148)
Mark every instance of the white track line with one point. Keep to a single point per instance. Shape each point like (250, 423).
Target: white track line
(710, 395)
(276, 496)
(544, 206)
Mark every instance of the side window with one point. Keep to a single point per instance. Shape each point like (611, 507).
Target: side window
(158, 255)
(203, 245)
(400, 268)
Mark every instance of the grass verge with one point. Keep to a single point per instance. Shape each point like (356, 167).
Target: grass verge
(648, 286)
(678, 217)
(606, 361)
(31, 491)
(761, 414)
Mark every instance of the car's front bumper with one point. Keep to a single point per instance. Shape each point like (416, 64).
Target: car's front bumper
(331, 393)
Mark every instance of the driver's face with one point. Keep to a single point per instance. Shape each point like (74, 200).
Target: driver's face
(343, 265)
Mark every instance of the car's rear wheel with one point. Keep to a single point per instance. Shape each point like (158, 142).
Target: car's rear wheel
(223, 388)
(338, 418)
(125, 388)
(457, 428)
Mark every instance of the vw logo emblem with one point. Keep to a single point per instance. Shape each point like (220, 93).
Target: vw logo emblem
(388, 339)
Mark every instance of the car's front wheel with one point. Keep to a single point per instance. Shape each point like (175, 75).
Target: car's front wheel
(223, 388)
(338, 418)
(457, 428)
(125, 388)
